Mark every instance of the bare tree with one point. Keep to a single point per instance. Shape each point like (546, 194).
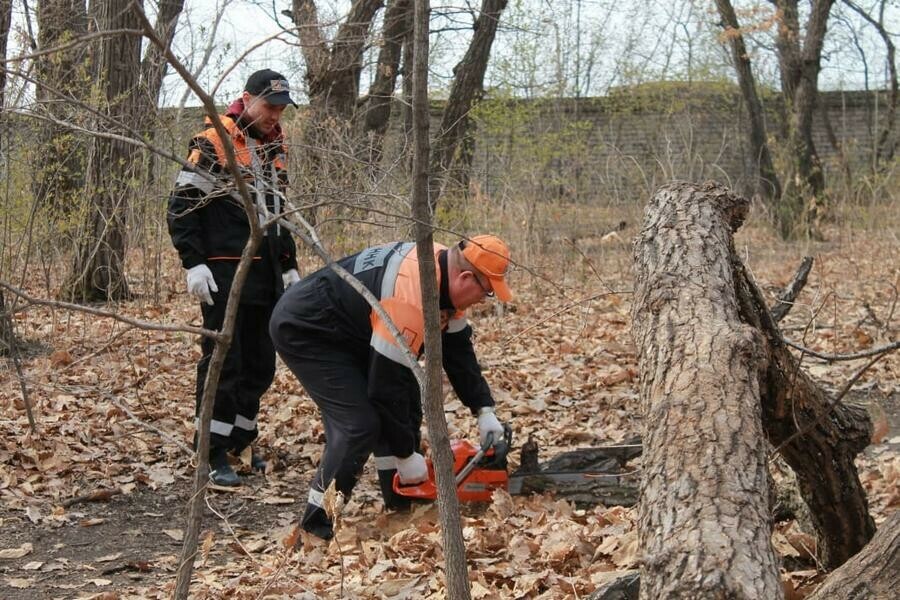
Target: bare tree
(887, 142)
(377, 104)
(468, 88)
(7, 335)
(59, 178)
(448, 503)
(799, 60)
(333, 67)
(98, 272)
(768, 186)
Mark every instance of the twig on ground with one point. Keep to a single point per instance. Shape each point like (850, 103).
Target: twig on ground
(102, 495)
(181, 445)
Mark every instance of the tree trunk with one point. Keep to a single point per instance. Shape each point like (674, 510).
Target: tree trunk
(376, 111)
(887, 141)
(432, 394)
(154, 65)
(873, 574)
(705, 520)
(468, 88)
(332, 75)
(60, 159)
(768, 185)
(152, 72)
(5, 21)
(823, 457)
(798, 211)
(99, 272)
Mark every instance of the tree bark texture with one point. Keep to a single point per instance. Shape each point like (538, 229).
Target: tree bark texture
(99, 272)
(467, 89)
(59, 178)
(705, 520)
(823, 456)
(873, 574)
(608, 481)
(769, 187)
(154, 65)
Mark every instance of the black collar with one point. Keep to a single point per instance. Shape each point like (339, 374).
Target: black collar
(445, 303)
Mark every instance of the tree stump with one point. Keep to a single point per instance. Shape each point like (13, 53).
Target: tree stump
(705, 520)
(873, 574)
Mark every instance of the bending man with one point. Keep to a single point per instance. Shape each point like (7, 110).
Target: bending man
(351, 366)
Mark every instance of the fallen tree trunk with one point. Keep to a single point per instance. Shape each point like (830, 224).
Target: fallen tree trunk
(818, 439)
(705, 520)
(873, 574)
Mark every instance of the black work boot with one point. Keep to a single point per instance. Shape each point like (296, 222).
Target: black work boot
(220, 472)
(392, 500)
(316, 522)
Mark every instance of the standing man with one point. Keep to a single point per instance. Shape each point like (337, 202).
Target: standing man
(209, 228)
(351, 366)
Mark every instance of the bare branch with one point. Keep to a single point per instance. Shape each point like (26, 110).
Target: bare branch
(109, 314)
(789, 295)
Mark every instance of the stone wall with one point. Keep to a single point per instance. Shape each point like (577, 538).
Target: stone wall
(621, 147)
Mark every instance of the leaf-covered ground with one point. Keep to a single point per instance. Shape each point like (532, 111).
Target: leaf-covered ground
(114, 409)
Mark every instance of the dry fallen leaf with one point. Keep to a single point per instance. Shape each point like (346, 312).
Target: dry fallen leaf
(19, 552)
(19, 583)
(206, 546)
(175, 534)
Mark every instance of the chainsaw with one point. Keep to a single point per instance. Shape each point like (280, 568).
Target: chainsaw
(586, 477)
(478, 471)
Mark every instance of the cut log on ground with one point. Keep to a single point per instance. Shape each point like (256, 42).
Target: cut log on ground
(705, 520)
(873, 574)
(586, 477)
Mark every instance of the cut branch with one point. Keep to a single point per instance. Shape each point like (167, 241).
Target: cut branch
(789, 295)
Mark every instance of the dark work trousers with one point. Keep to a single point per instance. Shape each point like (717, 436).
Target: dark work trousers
(335, 379)
(247, 373)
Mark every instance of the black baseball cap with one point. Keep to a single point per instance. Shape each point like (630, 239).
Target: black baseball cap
(272, 86)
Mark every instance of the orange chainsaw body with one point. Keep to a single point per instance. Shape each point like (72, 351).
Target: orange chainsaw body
(478, 486)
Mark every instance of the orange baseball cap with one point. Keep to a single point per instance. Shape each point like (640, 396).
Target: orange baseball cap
(490, 255)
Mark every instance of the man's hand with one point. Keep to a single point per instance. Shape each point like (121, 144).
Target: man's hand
(488, 423)
(290, 277)
(412, 469)
(200, 283)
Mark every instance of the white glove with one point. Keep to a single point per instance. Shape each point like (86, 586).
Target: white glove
(412, 469)
(489, 423)
(290, 278)
(200, 283)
